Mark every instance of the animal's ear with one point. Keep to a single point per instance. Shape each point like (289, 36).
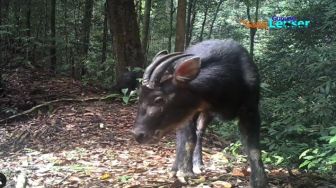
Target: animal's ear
(187, 70)
(160, 53)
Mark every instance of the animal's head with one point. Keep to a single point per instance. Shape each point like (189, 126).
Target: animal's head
(165, 99)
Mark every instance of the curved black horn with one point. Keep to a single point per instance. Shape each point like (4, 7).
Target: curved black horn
(160, 53)
(161, 68)
(156, 62)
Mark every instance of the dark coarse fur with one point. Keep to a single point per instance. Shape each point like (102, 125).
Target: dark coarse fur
(220, 78)
(227, 77)
(3, 180)
(127, 80)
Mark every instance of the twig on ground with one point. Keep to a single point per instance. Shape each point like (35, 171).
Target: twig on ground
(56, 101)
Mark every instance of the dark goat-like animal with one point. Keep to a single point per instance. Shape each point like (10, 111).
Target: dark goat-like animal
(127, 80)
(184, 91)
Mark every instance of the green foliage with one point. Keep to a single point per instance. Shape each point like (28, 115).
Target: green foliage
(15, 45)
(124, 178)
(102, 73)
(298, 107)
(323, 158)
(235, 149)
(297, 67)
(271, 158)
(135, 69)
(128, 97)
(227, 130)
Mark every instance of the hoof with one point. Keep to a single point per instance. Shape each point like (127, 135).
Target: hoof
(198, 169)
(172, 173)
(184, 176)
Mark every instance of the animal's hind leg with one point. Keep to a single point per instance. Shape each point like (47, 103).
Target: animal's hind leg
(249, 126)
(202, 122)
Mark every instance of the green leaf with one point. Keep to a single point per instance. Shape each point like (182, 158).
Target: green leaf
(125, 99)
(332, 140)
(124, 179)
(309, 157)
(332, 160)
(305, 163)
(124, 91)
(303, 154)
(279, 159)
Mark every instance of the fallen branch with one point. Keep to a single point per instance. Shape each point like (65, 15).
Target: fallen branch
(57, 101)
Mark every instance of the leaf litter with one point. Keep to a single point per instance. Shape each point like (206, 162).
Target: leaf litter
(90, 144)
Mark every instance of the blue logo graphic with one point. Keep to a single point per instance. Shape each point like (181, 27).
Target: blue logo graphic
(289, 22)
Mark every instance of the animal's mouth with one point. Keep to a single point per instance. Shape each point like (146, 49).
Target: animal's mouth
(158, 134)
(148, 137)
(153, 137)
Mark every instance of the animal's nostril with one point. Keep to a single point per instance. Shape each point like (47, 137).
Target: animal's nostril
(140, 137)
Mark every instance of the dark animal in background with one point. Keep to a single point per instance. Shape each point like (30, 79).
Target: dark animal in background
(185, 90)
(128, 80)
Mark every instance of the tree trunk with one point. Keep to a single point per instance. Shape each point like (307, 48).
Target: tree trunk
(105, 32)
(17, 13)
(28, 23)
(172, 10)
(215, 17)
(2, 15)
(46, 20)
(86, 25)
(180, 26)
(28, 34)
(4, 11)
(204, 19)
(125, 31)
(190, 6)
(145, 30)
(253, 31)
(66, 35)
(139, 5)
(190, 20)
(53, 36)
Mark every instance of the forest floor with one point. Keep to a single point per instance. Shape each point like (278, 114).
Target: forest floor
(89, 144)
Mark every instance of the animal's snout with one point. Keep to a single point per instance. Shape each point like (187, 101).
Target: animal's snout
(145, 136)
(140, 135)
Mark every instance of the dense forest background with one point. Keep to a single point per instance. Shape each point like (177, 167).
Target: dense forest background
(85, 40)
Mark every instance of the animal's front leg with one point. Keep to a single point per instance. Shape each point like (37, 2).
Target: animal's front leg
(185, 145)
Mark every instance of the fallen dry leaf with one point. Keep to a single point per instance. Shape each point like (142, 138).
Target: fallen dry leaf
(242, 172)
(105, 176)
(221, 184)
(89, 144)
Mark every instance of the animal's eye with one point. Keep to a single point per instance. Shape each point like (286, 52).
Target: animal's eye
(158, 100)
